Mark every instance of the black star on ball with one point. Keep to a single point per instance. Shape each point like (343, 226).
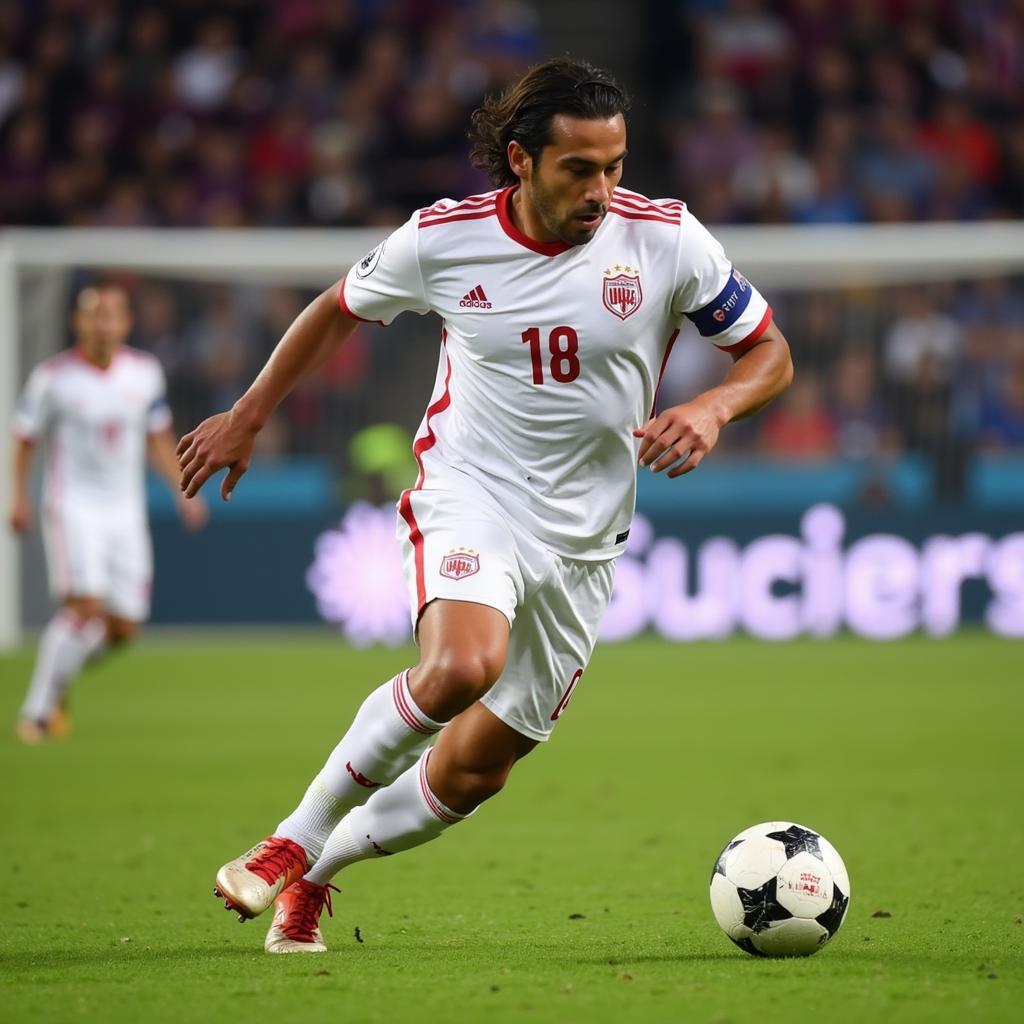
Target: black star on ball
(761, 906)
(832, 918)
(798, 840)
(719, 868)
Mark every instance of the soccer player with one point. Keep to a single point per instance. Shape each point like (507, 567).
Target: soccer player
(103, 408)
(561, 295)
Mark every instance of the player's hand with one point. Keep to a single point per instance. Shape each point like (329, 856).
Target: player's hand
(21, 515)
(679, 437)
(194, 514)
(222, 440)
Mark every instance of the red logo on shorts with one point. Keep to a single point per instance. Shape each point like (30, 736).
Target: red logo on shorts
(460, 563)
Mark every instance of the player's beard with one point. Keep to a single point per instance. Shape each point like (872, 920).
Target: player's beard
(546, 205)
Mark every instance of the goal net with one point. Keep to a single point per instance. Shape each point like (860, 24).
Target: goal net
(883, 494)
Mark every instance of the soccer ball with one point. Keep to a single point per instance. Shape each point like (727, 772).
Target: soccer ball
(779, 889)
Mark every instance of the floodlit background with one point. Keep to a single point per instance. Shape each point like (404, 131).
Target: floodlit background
(820, 624)
(906, 420)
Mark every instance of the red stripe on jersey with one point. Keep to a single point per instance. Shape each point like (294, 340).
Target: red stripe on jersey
(661, 372)
(670, 206)
(468, 202)
(478, 215)
(741, 346)
(628, 214)
(347, 310)
(420, 446)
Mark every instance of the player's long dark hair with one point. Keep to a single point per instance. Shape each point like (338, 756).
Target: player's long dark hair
(524, 111)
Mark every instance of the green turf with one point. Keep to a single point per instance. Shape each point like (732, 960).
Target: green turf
(908, 756)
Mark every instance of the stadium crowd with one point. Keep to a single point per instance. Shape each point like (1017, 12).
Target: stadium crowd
(842, 110)
(244, 113)
(350, 112)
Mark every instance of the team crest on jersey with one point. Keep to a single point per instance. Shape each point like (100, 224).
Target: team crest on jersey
(459, 563)
(622, 292)
(368, 264)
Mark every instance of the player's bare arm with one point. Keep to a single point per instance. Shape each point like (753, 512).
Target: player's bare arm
(21, 503)
(227, 438)
(680, 437)
(160, 447)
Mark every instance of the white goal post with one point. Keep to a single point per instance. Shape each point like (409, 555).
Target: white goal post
(790, 257)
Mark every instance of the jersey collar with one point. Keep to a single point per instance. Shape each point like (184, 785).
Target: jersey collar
(508, 225)
(79, 356)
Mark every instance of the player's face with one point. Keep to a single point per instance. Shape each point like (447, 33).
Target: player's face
(571, 184)
(102, 322)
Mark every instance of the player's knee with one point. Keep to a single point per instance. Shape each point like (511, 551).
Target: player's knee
(453, 680)
(84, 608)
(120, 631)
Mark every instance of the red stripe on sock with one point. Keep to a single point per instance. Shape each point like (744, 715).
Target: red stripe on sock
(406, 713)
(433, 804)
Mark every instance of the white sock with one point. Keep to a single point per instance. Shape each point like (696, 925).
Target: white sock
(387, 735)
(66, 644)
(90, 641)
(404, 815)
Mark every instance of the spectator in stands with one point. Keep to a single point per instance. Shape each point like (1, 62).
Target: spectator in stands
(895, 176)
(1002, 415)
(204, 72)
(23, 170)
(747, 41)
(775, 181)
(954, 133)
(706, 149)
(834, 200)
(799, 426)
(864, 428)
(12, 80)
(924, 409)
(921, 332)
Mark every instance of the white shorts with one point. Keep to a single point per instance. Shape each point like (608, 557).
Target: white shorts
(92, 553)
(460, 547)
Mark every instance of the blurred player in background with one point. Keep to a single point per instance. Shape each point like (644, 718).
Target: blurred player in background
(561, 295)
(102, 407)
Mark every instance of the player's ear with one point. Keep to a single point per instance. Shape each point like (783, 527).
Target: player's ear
(518, 159)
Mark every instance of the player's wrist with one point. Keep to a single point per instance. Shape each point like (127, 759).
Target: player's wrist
(716, 402)
(248, 413)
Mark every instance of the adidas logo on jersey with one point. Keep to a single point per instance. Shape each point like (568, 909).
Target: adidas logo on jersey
(475, 299)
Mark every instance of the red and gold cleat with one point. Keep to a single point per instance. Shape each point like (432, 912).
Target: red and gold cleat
(296, 926)
(31, 732)
(59, 724)
(250, 883)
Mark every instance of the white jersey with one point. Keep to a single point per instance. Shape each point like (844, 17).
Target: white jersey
(97, 422)
(551, 354)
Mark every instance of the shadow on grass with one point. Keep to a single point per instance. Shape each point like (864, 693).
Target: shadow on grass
(627, 959)
(56, 959)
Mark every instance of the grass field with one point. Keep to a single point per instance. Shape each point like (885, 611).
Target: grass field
(908, 756)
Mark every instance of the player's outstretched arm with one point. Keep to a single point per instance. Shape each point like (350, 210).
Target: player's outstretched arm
(227, 438)
(21, 503)
(162, 457)
(680, 437)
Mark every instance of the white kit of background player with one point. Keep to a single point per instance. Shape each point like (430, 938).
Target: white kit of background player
(101, 408)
